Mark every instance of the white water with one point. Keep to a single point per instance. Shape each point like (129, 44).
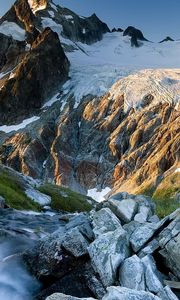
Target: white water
(15, 282)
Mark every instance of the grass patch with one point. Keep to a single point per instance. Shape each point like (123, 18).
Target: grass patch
(164, 195)
(166, 201)
(12, 192)
(65, 199)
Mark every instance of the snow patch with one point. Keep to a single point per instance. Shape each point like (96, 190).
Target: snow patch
(54, 6)
(68, 17)
(38, 197)
(10, 128)
(13, 30)
(51, 13)
(48, 22)
(97, 195)
(51, 101)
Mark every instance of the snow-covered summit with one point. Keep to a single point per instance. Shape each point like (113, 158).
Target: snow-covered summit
(153, 68)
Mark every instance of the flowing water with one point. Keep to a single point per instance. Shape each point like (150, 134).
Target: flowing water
(18, 232)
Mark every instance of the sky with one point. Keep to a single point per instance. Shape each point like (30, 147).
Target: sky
(156, 18)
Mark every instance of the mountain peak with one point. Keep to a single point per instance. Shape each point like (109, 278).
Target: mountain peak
(135, 34)
(37, 5)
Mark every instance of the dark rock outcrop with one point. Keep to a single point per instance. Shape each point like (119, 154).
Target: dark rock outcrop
(117, 30)
(86, 30)
(11, 51)
(135, 34)
(39, 74)
(167, 39)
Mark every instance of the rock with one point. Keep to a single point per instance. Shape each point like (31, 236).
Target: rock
(82, 222)
(135, 34)
(167, 294)
(75, 243)
(122, 196)
(104, 221)
(124, 209)
(152, 276)
(150, 248)
(58, 296)
(117, 30)
(131, 274)
(143, 214)
(10, 51)
(121, 293)
(145, 233)
(107, 252)
(169, 241)
(48, 259)
(154, 219)
(131, 227)
(167, 39)
(145, 201)
(81, 282)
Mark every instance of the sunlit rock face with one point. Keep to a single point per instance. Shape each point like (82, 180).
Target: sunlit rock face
(37, 5)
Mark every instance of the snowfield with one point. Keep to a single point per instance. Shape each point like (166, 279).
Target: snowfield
(13, 30)
(162, 84)
(150, 69)
(10, 128)
(95, 69)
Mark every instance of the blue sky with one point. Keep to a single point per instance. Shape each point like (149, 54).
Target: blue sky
(156, 18)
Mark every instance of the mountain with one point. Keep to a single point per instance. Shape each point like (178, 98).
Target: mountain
(82, 108)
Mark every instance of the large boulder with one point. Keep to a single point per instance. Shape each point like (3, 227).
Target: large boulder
(122, 293)
(81, 282)
(124, 209)
(144, 233)
(104, 221)
(82, 222)
(59, 296)
(153, 279)
(131, 273)
(107, 252)
(75, 243)
(169, 241)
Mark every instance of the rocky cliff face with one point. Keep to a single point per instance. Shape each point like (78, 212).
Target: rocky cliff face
(40, 73)
(99, 144)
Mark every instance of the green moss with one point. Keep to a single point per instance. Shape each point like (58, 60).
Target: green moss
(15, 197)
(65, 199)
